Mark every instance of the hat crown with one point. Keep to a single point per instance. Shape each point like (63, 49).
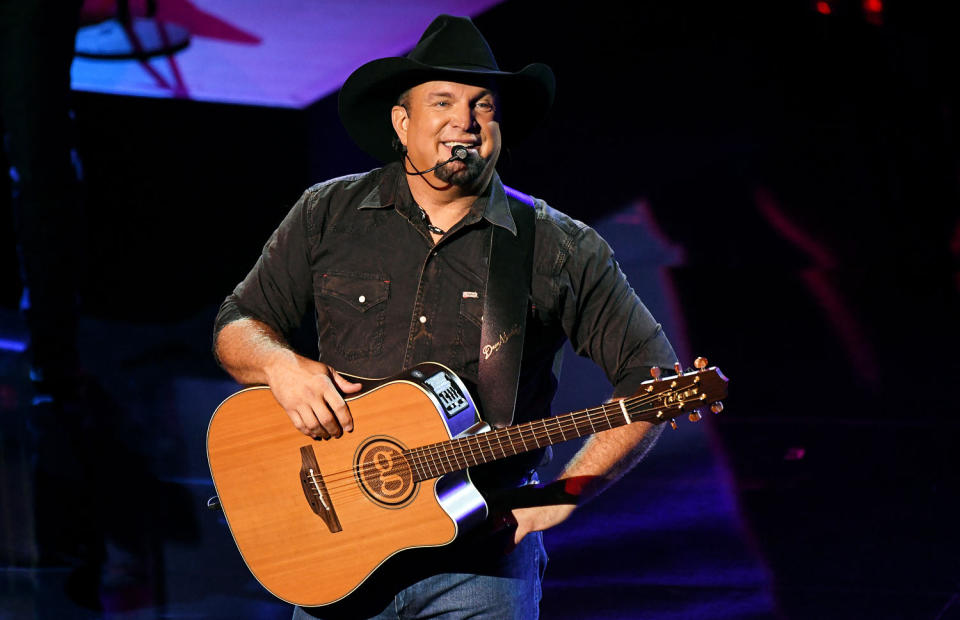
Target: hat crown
(454, 42)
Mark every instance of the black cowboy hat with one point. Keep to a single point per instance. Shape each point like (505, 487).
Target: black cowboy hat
(451, 49)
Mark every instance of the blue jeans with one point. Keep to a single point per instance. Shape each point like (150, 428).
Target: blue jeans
(487, 584)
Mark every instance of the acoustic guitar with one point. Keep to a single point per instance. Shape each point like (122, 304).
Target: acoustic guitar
(314, 519)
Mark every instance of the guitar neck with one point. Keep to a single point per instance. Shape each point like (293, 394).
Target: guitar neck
(656, 402)
(445, 457)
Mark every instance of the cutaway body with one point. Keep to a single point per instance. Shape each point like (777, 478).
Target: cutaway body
(313, 519)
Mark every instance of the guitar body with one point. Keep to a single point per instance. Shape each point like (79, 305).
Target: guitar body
(313, 519)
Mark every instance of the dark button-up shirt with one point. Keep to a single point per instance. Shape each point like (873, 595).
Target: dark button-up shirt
(357, 251)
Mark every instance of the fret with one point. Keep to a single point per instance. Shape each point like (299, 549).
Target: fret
(472, 453)
(412, 459)
(520, 432)
(424, 464)
(492, 455)
(460, 443)
(607, 415)
(448, 451)
(576, 427)
(536, 441)
(463, 452)
(500, 443)
(428, 461)
(442, 455)
(414, 454)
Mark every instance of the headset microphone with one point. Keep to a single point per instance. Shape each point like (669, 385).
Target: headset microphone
(459, 153)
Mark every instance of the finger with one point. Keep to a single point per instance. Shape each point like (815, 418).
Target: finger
(312, 425)
(321, 420)
(339, 409)
(345, 384)
(298, 422)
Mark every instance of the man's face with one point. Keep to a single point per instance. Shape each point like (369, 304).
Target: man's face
(440, 115)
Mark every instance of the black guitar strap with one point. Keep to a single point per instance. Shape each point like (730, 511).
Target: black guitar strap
(505, 307)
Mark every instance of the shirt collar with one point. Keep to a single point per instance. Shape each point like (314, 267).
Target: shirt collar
(393, 191)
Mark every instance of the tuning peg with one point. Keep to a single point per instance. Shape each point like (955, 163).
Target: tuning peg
(677, 368)
(673, 424)
(695, 415)
(716, 407)
(655, 373)
(700, 363)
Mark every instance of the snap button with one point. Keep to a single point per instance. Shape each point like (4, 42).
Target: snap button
(362, 299)
(423, 319)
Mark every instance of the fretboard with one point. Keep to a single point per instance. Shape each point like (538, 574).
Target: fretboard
(437, 459)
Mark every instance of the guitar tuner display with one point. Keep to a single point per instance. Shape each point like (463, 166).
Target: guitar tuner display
(450, 397)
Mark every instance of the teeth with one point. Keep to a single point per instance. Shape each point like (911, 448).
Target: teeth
(459, 144)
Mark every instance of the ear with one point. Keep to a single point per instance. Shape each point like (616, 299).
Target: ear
(400, 119)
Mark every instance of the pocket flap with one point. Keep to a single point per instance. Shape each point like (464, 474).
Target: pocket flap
(361, 291)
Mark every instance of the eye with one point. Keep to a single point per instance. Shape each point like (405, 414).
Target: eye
(485, 105)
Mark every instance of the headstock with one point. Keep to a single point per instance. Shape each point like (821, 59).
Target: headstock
(662, 399)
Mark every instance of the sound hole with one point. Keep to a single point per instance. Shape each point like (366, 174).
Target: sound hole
(384, 473)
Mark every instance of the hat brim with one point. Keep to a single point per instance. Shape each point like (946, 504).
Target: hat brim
(524, 98)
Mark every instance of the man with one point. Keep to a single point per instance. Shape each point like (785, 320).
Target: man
(395, 261)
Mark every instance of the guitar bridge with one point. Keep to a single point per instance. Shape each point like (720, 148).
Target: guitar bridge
(315, 490)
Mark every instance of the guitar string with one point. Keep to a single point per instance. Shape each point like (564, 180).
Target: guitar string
(346, 494)
(430, 458)
(453, 450)
(352, 492)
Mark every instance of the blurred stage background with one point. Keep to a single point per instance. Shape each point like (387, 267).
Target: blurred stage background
(779, 180)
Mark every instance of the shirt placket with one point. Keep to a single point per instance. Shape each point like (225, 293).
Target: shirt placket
(420, 336)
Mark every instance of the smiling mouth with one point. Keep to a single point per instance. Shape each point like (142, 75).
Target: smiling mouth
(469, 145)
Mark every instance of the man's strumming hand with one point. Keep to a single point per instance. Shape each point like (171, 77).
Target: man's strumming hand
(307, 391)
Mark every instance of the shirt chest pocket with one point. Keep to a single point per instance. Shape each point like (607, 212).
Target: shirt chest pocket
(351, 309)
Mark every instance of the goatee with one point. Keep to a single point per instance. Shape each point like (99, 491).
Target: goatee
(462, 175)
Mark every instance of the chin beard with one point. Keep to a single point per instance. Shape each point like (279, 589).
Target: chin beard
(464, 176)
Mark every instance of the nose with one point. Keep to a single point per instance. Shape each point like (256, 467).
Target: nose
(464, 118)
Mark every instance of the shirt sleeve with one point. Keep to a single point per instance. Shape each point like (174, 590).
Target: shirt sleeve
(604, 318)
(278, 290)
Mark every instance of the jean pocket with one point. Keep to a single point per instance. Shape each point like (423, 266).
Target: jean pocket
(352, 308)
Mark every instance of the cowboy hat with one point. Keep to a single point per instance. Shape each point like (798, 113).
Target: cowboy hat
(451, 49)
